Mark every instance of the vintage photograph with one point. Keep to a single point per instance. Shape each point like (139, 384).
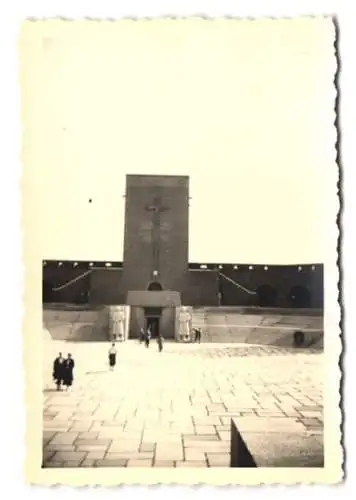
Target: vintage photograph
(180, 201)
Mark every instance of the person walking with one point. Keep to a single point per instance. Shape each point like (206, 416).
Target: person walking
(68, 376)
(58, 371)
(148, 337)
(112, 356)
(160, 342)
(198, 335)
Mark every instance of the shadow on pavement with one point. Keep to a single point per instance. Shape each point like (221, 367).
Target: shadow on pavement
(97, 372)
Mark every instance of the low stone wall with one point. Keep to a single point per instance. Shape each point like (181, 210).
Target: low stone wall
(77, 325)
(256, 310)
(240, 455)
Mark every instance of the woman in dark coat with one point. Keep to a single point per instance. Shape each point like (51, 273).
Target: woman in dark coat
(68, 371)
(112, 356)
(160, 342)
(58, 371)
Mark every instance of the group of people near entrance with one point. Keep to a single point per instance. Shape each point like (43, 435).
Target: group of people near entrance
(146, 336)
(63, 371)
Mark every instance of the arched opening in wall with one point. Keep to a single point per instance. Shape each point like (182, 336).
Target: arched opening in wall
(266, 296)
(47, 292)
(299, 297)
(154, 286)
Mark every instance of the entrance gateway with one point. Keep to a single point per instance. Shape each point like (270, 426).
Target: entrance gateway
(153, 314)
(152, 320)
(157, 309)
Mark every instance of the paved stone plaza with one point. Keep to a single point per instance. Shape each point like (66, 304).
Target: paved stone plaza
(173, 409)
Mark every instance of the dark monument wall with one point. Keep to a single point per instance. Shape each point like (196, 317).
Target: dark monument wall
(201, 287)
(106, 287)
(57, 276)
(282, 286)
(277, 286)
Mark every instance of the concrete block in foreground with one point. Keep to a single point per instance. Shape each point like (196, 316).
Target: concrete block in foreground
(274, 449)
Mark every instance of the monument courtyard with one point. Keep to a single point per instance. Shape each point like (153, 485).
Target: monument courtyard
(174, 409)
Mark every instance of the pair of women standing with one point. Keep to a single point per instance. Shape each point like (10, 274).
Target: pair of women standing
(63, 371)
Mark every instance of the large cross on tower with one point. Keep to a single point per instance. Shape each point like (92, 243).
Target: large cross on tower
(156, 208)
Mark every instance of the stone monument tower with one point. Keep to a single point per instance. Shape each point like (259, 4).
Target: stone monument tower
(156, 233)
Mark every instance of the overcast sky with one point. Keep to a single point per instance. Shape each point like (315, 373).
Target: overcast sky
(246, 109)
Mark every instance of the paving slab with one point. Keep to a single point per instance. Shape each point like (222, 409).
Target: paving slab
(174, 409)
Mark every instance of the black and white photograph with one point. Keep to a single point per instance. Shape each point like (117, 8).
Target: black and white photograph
(180, 199)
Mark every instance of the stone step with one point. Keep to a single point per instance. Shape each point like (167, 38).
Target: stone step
(226, 325)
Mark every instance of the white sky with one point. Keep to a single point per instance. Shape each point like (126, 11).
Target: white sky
(246, 108)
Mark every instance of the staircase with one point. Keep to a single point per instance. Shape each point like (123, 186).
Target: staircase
(264, 328)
